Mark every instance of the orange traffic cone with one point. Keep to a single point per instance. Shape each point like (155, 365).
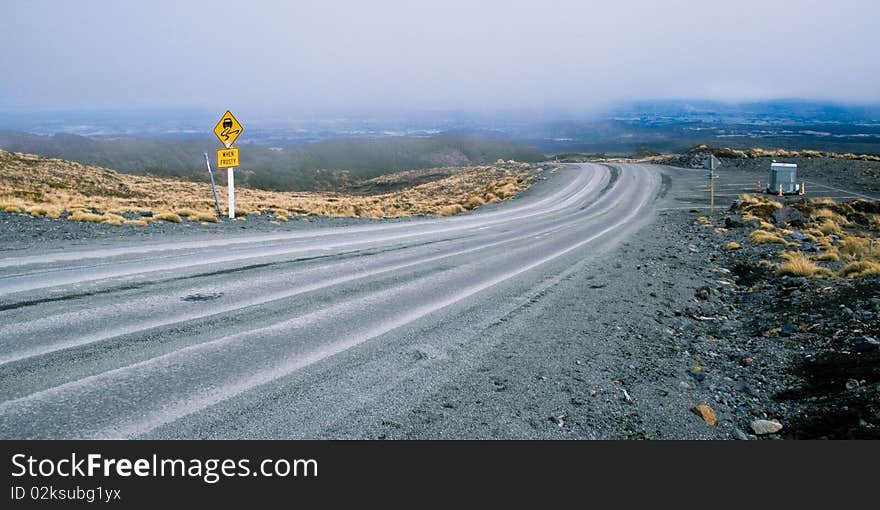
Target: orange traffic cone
(780, 190)
(758, 187)
(803, 188)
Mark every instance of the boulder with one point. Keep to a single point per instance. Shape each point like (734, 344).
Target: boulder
(764, 427)
(788, 216)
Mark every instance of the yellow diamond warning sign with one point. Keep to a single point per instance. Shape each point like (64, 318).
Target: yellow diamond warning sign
(228, 129)
(227, 158)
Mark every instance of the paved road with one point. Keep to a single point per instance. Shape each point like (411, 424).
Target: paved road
(291, 334)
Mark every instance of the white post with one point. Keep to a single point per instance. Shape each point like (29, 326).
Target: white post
(231, 174)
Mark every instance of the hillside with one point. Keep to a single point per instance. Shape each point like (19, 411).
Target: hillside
(54, 188)
(329, 165)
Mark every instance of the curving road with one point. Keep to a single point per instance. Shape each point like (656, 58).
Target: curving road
(294, 334)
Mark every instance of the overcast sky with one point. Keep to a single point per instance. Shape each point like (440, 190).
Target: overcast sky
(398, 55)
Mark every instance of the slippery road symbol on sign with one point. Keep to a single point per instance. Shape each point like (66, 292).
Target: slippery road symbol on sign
(228, 129)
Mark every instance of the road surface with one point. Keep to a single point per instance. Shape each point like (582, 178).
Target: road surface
(292, 334)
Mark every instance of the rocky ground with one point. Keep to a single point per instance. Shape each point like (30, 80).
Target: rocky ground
(802, 352)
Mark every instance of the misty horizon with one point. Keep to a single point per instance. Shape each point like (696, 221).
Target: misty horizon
(555, 59)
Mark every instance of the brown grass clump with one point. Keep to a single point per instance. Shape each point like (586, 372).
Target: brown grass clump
(168, 217)
(187, 212)
(450, 210)
(826, 213)
(829, 227)
(733, 246)
(86, 217)
(48, 211)
(764, 237)
(860, 268)
(820, 202)
(755, 207)
(798, 264)
(112, 219)
(828, 256)
(492, 198)
(854, 247)
(203, 217)
(702, 220)
(473, 203)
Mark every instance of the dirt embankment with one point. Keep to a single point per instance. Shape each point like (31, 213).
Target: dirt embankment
(53, 188)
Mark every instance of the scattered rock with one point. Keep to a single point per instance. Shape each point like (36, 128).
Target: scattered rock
(788, 329)
(733, 223)
(697, 373)
(866, 344)
(740, 435)
(764, 427)
(702, 293)
(747, 361)
(788, 216)
(706, 413)
(852, 384)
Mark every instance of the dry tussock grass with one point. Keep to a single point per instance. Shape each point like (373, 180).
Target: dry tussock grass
(860, 269)
(828, 256)
(828, 227)
(757, 208)
(52, 187)
(841, 231)
(765, 237)
(824, 213)
(799, 264)
(857, 247)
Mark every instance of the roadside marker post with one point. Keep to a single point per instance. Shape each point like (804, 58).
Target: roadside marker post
(231, 186)
(712, 163)
(227, 130)
(213, 186)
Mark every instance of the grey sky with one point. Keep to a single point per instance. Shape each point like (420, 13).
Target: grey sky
(398, 55)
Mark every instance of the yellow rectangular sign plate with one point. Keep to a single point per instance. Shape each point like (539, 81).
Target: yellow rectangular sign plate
(227, 158)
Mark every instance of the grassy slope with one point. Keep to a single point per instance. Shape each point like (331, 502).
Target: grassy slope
(56, 188)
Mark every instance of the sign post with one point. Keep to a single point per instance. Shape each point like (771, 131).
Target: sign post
(213, 186)
(230, 185)
(712, 163)
(227, 131)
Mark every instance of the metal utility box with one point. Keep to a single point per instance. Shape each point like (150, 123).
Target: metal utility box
(785, 175)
